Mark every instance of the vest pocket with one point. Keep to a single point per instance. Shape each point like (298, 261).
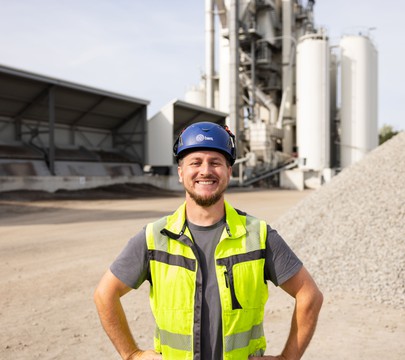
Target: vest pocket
(244, 277)
(250, 287)
(172, 286)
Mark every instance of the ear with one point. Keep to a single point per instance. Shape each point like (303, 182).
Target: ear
(229, 172)
(180, 173)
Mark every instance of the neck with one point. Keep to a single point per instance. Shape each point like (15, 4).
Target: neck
(204, 216)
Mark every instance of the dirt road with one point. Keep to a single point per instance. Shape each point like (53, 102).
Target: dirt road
(52, 254)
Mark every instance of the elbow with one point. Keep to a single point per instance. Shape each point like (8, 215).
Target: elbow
(318, 300)
(313, 301)
(101, 295)
(109, 291)
(97, 298)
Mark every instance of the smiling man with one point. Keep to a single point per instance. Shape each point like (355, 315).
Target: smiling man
(205, 176)
(208, 265)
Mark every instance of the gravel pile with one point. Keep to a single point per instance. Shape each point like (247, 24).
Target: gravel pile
(351, 232)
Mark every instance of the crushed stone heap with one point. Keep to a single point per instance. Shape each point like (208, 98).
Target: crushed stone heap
(351, 232)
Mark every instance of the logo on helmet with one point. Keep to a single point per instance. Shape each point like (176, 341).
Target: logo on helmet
(201, 137)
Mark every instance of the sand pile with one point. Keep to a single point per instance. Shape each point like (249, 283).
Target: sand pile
(351, 232)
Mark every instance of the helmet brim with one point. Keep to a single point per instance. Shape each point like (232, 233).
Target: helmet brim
(185, 152)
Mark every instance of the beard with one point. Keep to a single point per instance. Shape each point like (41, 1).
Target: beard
(206, 201)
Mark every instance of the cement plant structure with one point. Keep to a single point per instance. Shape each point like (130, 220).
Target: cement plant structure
(292, 97)
(301, 108)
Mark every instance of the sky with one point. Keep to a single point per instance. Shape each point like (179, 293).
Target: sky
(154, 50)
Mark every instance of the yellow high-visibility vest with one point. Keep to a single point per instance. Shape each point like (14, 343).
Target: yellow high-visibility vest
(176, 286)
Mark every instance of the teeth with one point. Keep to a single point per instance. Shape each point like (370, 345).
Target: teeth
(206, 182)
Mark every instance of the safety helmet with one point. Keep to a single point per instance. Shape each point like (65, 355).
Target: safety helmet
(206, 136)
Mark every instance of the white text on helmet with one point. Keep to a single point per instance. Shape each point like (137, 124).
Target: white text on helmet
(202, 137)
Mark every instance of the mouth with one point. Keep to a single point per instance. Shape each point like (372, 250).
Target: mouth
(205, 182)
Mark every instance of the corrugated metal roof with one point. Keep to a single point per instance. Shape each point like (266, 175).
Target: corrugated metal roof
(186, 114)
(25, 95)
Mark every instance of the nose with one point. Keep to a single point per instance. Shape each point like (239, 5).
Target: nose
(205, 168)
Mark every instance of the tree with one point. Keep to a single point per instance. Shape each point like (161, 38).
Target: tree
(386, 133)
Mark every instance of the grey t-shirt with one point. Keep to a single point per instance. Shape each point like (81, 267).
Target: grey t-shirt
(131, 267)
(206, 239)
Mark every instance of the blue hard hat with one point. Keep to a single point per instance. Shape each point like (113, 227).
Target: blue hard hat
(206, 136)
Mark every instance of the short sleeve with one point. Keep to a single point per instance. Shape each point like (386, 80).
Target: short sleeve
(131, 265)
(281, 261)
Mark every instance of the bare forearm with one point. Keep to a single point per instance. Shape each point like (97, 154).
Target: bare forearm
(116, 326)
(112, 316)
(303, 326)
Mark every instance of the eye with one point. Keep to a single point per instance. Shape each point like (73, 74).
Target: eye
(216, 163)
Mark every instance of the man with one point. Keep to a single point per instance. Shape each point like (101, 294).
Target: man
(207, 265)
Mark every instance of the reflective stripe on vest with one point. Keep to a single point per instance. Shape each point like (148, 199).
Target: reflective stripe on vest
(241, 340)
(176, 341)
(176, 285)
(160, 241)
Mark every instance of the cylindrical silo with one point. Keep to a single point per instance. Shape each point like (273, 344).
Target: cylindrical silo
(196, 95)
(313, 99)
(359, 98)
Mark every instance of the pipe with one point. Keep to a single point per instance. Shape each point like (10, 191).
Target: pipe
(263, 98)
(253, 77)
(209, 53)
(287, 74)
(234, 71)
(282, 105)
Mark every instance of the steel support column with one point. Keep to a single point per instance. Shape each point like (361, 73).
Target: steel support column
(51, 134)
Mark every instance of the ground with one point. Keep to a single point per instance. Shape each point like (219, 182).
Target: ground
(54, 249)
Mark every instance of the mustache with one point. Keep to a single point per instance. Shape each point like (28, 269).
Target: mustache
(209, 177)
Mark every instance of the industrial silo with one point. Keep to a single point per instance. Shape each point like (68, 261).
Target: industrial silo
(313, 99)
(359, 98)
(196, 95)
